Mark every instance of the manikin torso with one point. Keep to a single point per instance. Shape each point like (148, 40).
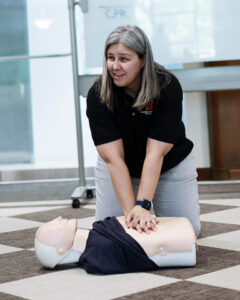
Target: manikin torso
(166, 238)
(64, 240)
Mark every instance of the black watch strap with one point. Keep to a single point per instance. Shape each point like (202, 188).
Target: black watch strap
(144, 204)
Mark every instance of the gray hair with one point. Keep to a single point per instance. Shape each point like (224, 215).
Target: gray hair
(134, 38)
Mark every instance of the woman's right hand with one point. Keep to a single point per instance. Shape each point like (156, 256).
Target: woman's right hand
(141, 220)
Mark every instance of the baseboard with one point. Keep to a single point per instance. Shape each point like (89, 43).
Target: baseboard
(43, 174)
(218, 174)
(225, 174)
(204, 174)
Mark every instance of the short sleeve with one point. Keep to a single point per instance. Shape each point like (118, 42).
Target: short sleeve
(101, 120)
(167, 117)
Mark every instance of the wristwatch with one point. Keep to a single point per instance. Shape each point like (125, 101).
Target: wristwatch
(144, 204)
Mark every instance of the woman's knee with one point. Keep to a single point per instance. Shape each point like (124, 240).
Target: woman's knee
(103, 212)
(197, 227)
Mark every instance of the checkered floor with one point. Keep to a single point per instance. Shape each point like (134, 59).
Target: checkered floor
(216, 275)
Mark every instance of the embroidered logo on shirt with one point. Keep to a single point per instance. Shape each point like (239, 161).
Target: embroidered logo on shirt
(148, 109)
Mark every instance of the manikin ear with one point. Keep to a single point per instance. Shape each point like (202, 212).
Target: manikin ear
(62, 249)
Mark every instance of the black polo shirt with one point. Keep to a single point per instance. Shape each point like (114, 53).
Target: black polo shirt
(161, 120)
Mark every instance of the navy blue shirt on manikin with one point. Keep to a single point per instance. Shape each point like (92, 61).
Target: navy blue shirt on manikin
(110, 250)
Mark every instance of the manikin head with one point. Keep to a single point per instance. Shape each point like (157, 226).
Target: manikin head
(53, 241)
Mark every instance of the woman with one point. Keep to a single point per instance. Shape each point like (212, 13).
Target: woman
(135, 112)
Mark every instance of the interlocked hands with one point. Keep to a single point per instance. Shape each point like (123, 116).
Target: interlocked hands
(140, 219)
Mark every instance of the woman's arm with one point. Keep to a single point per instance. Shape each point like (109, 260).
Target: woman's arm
(113, 154)
(155, 152)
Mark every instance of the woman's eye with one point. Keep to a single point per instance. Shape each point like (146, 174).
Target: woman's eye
(124, 59)
(110, 58)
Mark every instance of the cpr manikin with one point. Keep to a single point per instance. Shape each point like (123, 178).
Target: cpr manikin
(172, 244)
(59, 242)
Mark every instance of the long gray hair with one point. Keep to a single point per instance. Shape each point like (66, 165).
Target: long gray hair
(134, 38)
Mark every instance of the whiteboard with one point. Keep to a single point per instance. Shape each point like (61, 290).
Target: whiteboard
(180, 31)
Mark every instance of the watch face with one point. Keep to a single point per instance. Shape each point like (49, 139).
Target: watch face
(146, 204)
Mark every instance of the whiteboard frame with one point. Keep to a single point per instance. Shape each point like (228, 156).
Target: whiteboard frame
(192, 80)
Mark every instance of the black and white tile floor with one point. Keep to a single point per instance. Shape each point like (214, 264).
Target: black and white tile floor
(216, 275)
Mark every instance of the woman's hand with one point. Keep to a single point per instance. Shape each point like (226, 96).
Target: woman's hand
(140, 219)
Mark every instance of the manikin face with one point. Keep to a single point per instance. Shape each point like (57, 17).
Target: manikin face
(58, 233)
(124, 66)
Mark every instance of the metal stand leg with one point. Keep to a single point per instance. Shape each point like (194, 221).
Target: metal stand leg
(83, 191)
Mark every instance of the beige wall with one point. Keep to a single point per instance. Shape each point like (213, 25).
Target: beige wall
(197, 123)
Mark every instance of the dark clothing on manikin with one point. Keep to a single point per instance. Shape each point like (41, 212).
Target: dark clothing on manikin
(110, 250)
(161, 120)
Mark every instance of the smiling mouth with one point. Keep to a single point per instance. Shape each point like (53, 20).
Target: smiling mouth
(117, 76)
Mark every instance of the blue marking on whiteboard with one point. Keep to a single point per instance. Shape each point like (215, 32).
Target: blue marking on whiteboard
(112, 12)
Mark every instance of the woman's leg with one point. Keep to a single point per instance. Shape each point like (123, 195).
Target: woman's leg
(107, 204)
(177, 193)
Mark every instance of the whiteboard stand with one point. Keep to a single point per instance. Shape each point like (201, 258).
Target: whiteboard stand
(82, 191)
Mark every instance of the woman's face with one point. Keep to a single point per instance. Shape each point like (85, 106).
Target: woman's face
(124, 66)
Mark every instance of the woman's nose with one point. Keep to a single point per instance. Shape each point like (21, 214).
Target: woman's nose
(116, 65)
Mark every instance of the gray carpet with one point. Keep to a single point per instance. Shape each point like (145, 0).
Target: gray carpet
(37, 191)
(64, 190)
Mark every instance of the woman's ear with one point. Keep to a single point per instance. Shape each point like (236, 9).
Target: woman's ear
(143, 61)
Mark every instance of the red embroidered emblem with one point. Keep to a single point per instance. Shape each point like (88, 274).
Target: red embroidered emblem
(149, 106)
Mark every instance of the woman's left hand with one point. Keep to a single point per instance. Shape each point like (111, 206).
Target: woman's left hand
(141, 219)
